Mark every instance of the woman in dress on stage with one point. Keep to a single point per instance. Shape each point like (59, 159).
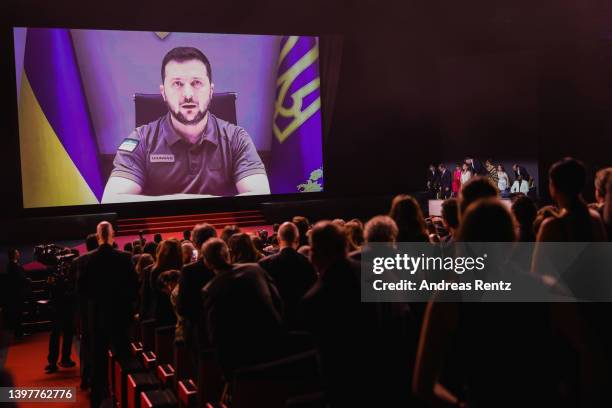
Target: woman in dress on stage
(456, 180)
(503, 182)
(466, 173)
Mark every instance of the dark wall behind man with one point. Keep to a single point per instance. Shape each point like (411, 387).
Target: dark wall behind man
(419, 81)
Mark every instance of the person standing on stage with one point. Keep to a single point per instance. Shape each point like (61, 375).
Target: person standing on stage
(446, 182)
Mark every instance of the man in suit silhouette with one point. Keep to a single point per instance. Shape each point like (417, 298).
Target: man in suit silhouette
(108, 284)
(292, 272)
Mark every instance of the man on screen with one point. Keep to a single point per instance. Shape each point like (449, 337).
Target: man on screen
(187, 153)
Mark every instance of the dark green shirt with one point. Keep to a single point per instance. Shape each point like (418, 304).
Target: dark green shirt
(160, 161)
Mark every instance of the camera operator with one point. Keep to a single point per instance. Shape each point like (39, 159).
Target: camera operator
(62, 281)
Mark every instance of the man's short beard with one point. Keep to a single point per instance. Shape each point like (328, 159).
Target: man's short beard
(182, 119)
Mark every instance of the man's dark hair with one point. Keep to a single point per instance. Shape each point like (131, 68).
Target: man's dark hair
(128, 247)
(475, 188)
(328, 241)
(568, 176)
(202, 233)
(228, 231)
(91, 242)
(157, 238)
(216, 254)
(150, 248)
(450, 212)
(12, 254)
(187, 235)
(524, 210)
(182, 54)
(486, 220)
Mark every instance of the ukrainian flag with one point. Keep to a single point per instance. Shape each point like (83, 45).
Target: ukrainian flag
(59, 154)
(297, 154)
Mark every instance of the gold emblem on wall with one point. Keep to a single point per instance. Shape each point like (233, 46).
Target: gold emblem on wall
(162, 34)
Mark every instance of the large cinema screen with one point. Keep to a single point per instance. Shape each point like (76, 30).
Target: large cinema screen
(123, 116)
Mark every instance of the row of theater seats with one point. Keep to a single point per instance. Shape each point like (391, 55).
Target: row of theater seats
(160, 373)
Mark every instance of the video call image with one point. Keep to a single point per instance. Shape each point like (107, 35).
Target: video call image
(127, 116)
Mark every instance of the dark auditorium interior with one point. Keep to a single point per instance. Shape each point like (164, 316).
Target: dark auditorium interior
(445, 128)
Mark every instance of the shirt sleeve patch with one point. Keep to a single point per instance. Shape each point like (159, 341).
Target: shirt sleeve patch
(128, 145)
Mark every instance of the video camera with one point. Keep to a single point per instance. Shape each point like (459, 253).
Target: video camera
(51, 254)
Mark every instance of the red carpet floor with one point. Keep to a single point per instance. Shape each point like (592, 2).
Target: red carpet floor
(26, 361)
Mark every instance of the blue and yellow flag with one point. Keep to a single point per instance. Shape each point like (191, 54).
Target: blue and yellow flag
(297, 153)
(59, 154)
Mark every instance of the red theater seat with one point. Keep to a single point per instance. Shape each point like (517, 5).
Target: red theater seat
(164, 344)
(124, 367)
(165, 374)
(188, 394)
(136, 383)
(158, 399)
(271, 384)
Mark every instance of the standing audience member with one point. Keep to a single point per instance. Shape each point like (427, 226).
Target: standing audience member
(303, 225)
(544, 213)
(108, 284)
(450, 219)
(293, 273)
(242, 249)
(62, 293)
(525, 212)
(242, 310)
(157, 238)
(85, 353)
(406, 213)
(603, 181)
(345, 329)
(187, 252)
(186, 236)
(194, 277)
(476, 188)
(354, 235)
(228, 231)
(15, 286)
(576, 223)
(155, 303)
